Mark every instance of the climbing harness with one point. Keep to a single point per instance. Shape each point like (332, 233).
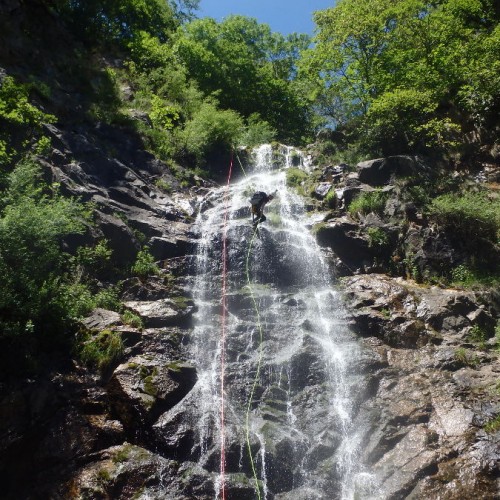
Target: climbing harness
(223, 338)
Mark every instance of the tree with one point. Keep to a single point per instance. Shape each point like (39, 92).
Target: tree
(248, 68)
(371, 57)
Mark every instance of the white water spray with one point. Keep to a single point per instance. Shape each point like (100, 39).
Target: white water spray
(307, 352)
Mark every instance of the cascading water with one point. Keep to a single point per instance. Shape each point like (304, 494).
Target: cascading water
(286, 358)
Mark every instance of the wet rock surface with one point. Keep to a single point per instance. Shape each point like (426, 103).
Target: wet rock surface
(423, 387)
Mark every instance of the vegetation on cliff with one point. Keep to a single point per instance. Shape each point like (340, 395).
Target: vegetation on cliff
(410, 76)
(392, 78)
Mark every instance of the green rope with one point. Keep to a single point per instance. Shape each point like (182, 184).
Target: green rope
(241, 166)
(258, 364)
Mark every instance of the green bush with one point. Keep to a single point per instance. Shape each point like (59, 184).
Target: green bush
(257, 132)
(377, 237)
(477, 335)
(33, 269)
(101, 351)
(19, 120)
(329, 199)
(368, 202)
(470, 214)
(145, 265)
(210, 129)
(295, 177)
(132, 319)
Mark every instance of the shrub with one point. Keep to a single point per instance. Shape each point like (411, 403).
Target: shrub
(102, 350)
(33, 276)
(257, 131)
(367, 202)
(377, 237)
(145, 265)
(163, 185)
(330, 198)
(18, 117)
(132, 319)
(493, 425)
(211, 128)
(295, 177)
(471, 214)
(477, 335)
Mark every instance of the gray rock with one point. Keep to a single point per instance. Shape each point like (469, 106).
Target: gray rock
(102, 319)
(380, 171)
(161, 313)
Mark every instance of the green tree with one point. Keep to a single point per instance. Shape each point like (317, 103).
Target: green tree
(249, 69)
(33, 221)
(426, 71)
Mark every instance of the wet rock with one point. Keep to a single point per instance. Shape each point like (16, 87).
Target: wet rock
(345, 240)
(321, 190)
(141, 389)
(124, 471)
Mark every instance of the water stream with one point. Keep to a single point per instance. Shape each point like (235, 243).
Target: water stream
(291, 391)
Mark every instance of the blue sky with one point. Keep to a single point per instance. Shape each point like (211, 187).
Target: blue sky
(285, 16)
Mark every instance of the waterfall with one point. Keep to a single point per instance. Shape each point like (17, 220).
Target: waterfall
(291, 388)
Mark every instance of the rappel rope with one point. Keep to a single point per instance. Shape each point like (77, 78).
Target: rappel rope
(223, 337)
(223, 344)
(257, 373)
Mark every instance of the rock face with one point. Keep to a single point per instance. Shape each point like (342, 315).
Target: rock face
(431, 415)
(433, 395)
(396, 397)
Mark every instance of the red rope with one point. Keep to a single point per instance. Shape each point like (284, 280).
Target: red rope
(223, 340)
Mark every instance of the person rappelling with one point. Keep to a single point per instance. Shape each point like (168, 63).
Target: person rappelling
(258, 202)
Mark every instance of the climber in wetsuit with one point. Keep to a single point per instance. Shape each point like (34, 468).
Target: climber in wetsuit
(258, 201)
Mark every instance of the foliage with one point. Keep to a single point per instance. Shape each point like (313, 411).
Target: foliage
(257, 132)
(478, 336)
(132, 319)
(295, 177)
(32, 223)
(163, 185)
(250, 69)
(101, 351)
(19, 119)
(377, 237)
(367, 202)
(471, 214)
(330, 197)
(493, 425)
(107, 21)
(211, 128)
(407, 74)
(144, 265)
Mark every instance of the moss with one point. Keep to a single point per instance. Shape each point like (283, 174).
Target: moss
(147, 375)
(493, 425)
(319, 229)
(181, 302)
(123, 454)
(175, 366)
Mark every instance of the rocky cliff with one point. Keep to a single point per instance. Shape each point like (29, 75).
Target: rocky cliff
(424, 387)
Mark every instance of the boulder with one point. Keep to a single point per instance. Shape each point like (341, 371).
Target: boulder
(163, 312)
(380, 171)
(102, 319)
(141, 389)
